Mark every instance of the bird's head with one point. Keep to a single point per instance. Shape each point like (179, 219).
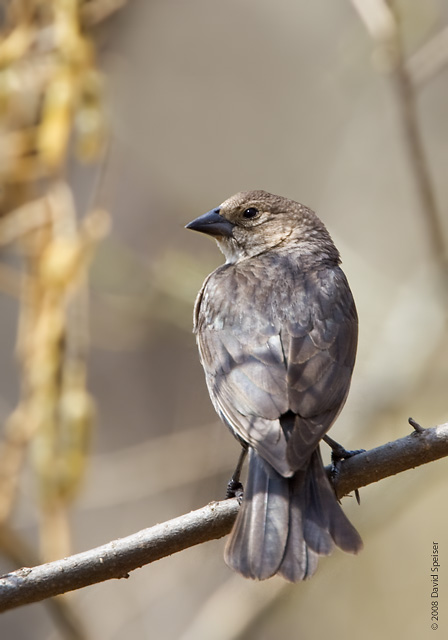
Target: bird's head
(253, 222)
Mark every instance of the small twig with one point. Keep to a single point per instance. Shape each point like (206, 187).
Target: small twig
(116, 559)
(418, 427)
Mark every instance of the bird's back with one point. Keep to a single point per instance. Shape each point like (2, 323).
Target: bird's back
(278, 334)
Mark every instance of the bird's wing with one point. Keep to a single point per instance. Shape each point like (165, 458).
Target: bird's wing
(320, 361)
(246, 377)
(280, 382)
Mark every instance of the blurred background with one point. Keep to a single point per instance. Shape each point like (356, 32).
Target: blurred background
(155, 112)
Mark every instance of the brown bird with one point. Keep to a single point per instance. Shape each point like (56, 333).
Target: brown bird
(277, 330)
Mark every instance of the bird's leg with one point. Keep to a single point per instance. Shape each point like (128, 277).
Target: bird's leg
(234, 486)
(338, 454)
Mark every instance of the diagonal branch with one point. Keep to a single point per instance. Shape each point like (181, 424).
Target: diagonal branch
(117, 558)
(382, 20)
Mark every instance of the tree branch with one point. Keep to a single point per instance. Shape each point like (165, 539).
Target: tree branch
(419, 447)
(117, 558)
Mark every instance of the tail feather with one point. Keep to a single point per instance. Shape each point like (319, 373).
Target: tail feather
(326, 524)
(285, 524)
(299, 559)
(256, 546)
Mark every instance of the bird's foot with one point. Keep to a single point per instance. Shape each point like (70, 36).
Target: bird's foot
(235, 490)
(338, 454)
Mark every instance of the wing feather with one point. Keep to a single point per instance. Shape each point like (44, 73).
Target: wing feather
(293, 351)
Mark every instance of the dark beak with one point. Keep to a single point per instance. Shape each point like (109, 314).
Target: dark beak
(213, 224)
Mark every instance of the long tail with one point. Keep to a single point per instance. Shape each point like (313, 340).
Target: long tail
(285, 524)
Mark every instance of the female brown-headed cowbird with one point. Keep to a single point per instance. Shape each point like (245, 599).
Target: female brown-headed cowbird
(277, 332)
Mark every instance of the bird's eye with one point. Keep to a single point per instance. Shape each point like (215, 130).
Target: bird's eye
(250, 213)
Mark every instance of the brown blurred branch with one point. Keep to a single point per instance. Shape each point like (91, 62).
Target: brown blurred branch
(429, 60)
(96, 11)
(382, 20)
(406, 98)
(117, 558)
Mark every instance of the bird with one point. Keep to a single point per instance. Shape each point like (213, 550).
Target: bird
(277, 329)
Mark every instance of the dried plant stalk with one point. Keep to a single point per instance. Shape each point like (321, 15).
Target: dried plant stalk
(50, 95)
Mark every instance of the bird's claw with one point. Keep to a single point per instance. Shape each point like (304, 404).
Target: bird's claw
(235, 490)
(338, 454)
